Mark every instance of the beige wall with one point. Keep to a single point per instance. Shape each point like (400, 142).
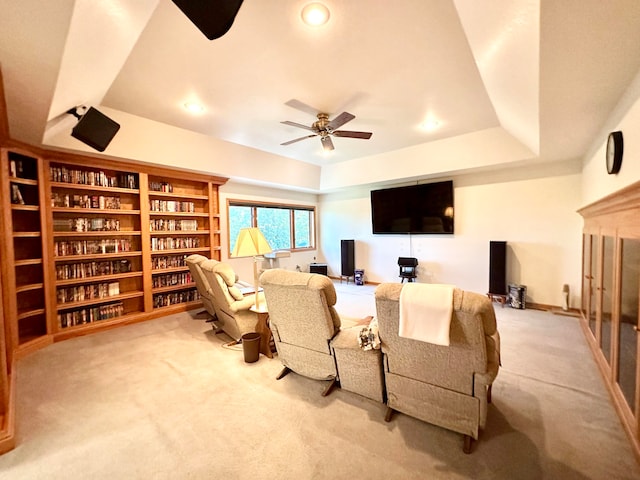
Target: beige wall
(535, 214)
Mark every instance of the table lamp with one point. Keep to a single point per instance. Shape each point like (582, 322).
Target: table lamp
(251, 242)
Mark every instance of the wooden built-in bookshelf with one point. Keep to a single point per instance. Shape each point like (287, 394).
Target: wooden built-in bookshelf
(80, 247)
(96, 243)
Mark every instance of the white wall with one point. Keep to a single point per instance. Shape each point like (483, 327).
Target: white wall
(596, 182)
(535, 214)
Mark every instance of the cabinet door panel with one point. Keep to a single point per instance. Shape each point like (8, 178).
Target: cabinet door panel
(629, 301)
(607, 296)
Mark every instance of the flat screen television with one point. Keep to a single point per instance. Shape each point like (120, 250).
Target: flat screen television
(416, 209)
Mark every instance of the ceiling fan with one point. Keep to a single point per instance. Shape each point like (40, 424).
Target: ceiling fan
(325, 129)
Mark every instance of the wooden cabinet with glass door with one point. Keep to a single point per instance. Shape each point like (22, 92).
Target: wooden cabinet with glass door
(96, 243)
(183, 220)
(25, 253)
(611, 299)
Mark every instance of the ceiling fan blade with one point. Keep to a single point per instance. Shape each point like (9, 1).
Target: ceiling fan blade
(340, 120)
(298, 139)
(299, 125)
(347, 133)
(303, 107)
(327, 144)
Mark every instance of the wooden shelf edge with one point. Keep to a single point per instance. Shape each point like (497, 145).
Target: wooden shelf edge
(97, 256)
(98, 233)
(98, 301)
(29, 287)
(178, 251)
(28, 261)
(97, 278)
(27, 234)
(153, 213)
(160, 271)
(189, 196)
(94, 211)
(178, 232)
(30, 313)
(25, 208)
(7, 426)
(101, 188)
(173, 288)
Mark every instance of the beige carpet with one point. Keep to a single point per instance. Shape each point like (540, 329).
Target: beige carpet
(164, 400)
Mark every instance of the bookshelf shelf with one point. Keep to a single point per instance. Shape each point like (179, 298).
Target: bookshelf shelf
(98, 301)
(95, 211)
(29, 287)
(98, 278)
(30, 313)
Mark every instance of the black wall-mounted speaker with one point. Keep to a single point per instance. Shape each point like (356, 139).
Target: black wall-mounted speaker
(498, 268)
(95, 129)
(212, 17)
(347, 250)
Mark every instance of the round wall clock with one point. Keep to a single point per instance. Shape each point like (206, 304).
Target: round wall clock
(615, 147)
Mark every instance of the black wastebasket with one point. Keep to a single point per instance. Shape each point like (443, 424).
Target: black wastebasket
(251, 346)
(517, 296)
(358, 277)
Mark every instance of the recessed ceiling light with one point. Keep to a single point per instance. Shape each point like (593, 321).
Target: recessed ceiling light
(194, 107)
(430, 125)
(315, 14)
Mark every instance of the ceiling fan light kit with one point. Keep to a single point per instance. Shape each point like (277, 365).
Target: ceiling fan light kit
(325, 129)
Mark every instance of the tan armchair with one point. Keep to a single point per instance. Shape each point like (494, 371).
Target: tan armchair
(303, 322)
(202, 284)
(230, 305)
(448, 386)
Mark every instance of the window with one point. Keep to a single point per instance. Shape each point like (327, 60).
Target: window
(286, 227)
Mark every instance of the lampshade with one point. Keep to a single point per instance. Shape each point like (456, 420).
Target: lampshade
(250, 242)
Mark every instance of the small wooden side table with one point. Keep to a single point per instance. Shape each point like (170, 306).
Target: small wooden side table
(262, 327)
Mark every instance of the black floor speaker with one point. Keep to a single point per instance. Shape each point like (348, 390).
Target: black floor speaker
(498, 268)
(347, 249)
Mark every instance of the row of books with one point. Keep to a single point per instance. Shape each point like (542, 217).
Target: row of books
(87, 292)
(168, 261)
(172, 243)
(91, 177)
(160, 187)
(168, 225)
(91, 269)
(91, 247)
(166, 299)
(88, 315)
(171, 280)
(172, 206)
(84, 224)
(85, 201)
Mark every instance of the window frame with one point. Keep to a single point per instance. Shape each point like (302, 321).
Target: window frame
(291, 207)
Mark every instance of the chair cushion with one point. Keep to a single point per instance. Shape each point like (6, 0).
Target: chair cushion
(226, 272)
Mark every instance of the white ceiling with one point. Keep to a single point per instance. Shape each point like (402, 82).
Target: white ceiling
(549, 73)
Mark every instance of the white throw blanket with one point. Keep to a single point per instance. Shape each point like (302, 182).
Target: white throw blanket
(425, 312)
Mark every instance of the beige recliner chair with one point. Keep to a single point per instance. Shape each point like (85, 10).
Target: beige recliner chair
(202, 284)
(230, 305)
(449, 386)
(303, 322)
